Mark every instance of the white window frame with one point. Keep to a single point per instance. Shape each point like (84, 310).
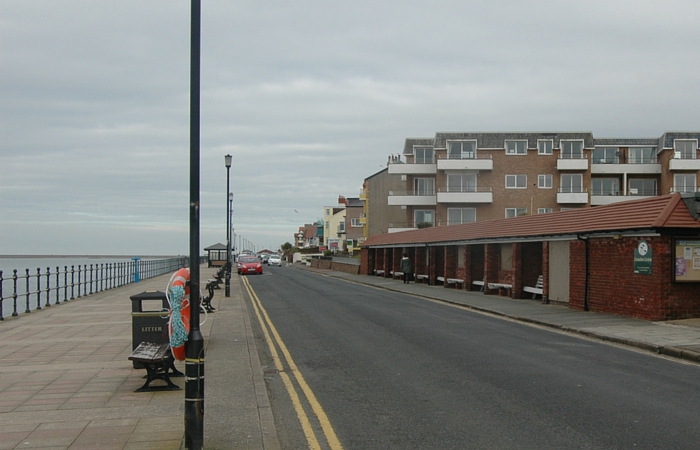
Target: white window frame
(468, 154)
(570, 153)
(681, 182)
(544, 181)
(467, 182)
(570, 189)
(636, 155)
(515, 212)
(429, 189)
(611, 155)
(685, 148)
(462, 211)
(355, 222)
(635, 190)
(423, 159)
(543, 148)
(544, 210)
(423, 211)
(516, 181)
(598, 187)
(516, 147)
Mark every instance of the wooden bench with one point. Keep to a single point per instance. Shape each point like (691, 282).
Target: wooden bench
(397, 274)
(158, 361)
(206, 301)
(537, 289)
(379, 272)
(441, 279)
(499, 286)
(479, 283)
(420, 277)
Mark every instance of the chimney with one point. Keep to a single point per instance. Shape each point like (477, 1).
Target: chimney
(342, 200)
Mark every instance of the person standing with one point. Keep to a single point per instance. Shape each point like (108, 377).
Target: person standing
(406, 267)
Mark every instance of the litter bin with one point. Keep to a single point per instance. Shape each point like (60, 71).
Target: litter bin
(149, 316)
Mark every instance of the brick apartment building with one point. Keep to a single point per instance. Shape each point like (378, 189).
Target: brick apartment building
(456, 178)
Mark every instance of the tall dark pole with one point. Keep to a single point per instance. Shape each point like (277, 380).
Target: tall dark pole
(227, 290)
(194, 350)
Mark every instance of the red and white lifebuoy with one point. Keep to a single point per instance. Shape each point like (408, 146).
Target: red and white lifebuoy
(179, 323)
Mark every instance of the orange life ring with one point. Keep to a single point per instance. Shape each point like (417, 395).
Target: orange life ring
(180, 279)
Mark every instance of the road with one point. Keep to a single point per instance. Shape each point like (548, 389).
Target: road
(381, 370)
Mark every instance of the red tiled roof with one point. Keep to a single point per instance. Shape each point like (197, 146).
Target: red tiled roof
(667, 211)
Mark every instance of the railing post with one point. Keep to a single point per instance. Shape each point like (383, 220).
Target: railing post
(65, 283)
(14, 293)
(90, 279)
(48, 287)
(27, 281)
(72, 282)
(38, 288)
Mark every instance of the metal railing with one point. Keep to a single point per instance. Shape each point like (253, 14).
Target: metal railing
(37, 290)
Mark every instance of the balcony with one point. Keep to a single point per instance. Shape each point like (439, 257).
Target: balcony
(599, 198)
(412, 169)
(411, 198)
(684, 189)
(572, 196)
(363, 219)
(613, 166)
(465, 195)
(476, 163)
(679, 163)
(572, 162)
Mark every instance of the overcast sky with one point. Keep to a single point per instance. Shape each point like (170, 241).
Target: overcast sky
(310, 97)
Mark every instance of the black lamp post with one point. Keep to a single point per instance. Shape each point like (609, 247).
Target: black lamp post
(232, 238)
(227, 160)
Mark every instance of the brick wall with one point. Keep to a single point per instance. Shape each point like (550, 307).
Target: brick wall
(614, 288)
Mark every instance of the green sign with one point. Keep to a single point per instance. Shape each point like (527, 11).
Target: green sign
(642, 258)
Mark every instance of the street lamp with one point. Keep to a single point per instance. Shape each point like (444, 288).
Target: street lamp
(227, 160)
(232, 237)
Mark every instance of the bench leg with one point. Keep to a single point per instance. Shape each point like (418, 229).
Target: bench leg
(157, 371)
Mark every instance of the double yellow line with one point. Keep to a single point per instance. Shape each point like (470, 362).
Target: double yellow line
(270, 332)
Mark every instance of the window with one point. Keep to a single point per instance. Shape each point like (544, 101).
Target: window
(544, 181)
(685, 148)
(544, 210)
(462, 182)
(456, 216)
(424, 186)
(516, 181)
(355, 222)
(516, 147)
(423, 155)
(544, 147)
(571, 149)
(642, 187)
(606, 155)
(461, 149)
(423, 216)
(642, 155)
(684, 182)
(515, 212)
(605, 186)
(341, 227)
(571, 183)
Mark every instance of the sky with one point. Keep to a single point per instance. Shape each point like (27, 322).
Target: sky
(309, 97)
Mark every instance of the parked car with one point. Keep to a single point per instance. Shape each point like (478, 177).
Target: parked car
(249, 264)
(274, 260)
(264, 257)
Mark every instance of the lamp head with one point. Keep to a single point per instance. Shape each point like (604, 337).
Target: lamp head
(228, 158)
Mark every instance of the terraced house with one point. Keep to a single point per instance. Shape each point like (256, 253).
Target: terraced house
(456, 178)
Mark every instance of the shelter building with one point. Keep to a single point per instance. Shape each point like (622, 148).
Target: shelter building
(638, 258)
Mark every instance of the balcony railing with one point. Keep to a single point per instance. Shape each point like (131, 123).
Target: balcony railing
(684, 189)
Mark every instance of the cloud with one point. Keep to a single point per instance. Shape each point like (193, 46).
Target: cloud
(309, 97)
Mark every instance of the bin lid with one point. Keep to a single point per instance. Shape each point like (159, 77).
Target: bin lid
(148, 295)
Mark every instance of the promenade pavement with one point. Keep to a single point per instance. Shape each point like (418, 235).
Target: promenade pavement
(66, 382)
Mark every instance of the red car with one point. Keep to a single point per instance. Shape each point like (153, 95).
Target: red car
(249, 264)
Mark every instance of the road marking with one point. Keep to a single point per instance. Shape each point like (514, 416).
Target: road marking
(265, 323)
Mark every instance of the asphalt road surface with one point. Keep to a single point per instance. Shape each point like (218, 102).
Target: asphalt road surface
(381, 370)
